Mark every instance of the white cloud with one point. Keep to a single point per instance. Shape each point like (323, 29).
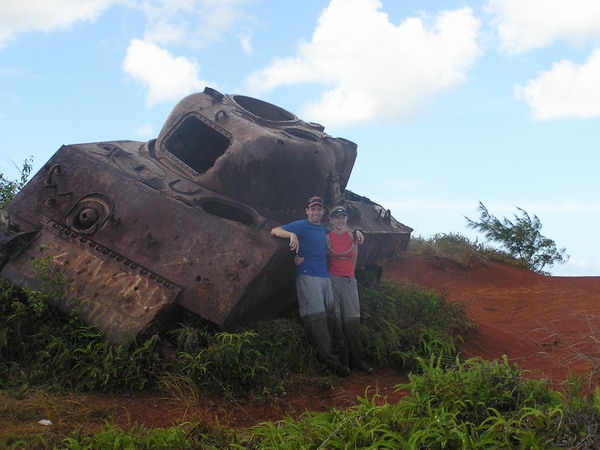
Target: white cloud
(167, 77)
(527, 24)
(181, 22)
(246, 42)
(193, 23)
(20, 16)
(566, 91)
(144, 130)
(376, 70)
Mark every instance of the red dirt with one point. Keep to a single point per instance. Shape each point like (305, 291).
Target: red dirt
(547, 325)
(156, 410)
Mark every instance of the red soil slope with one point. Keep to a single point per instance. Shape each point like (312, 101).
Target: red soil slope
(547, 325)
(550, 326)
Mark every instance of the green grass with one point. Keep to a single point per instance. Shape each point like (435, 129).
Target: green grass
(475, 404)
(459, 249)
(46, 355)
(404, 322)
(452, 403)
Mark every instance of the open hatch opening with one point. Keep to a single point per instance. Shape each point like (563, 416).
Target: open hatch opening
(196, 144)
(263, 109)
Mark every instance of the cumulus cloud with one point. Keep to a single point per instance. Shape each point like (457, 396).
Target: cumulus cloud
(528, 24)
(376, 70)
(20, 16)
(565, 91)
(193, 23)
(167, 77)
(189, 23)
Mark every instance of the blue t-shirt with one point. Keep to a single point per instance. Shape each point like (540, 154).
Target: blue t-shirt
(313, 247)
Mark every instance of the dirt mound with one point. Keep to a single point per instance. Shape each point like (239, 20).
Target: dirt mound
(547, 325)
(550, 326)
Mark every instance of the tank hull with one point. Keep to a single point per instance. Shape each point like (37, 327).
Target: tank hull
(185, 219)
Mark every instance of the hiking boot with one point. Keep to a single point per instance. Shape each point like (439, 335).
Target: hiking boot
(342, 371)
(364, 367)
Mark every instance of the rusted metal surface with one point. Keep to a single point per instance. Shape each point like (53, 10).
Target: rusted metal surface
(185, 219)
(116, 290)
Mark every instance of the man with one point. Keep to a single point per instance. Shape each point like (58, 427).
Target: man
(313, 284)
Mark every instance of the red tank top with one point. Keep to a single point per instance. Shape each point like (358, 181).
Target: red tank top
(340, 254)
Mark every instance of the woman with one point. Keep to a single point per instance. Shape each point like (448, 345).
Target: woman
(342, 253)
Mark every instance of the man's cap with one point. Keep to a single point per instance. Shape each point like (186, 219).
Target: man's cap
(338, 211)
(315, 201)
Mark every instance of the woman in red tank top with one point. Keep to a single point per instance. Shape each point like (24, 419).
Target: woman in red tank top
(342, 252)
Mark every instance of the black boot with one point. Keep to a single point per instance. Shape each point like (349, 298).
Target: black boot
(351, 327)
(340, 346)
(319, 335)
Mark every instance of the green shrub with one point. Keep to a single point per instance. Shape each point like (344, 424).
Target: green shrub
(369, 424)
(253, 361)
(475, 404)
(40, 345)
(184, 436)
(482, 404)
(403, 321)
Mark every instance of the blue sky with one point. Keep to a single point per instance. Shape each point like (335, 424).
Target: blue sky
(450, 102)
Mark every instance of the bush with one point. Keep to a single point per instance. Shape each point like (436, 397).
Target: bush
(403, 321)
(475, 404)
(40, 345)
(252, 361)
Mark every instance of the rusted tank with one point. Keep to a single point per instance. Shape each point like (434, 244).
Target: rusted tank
(185, 219)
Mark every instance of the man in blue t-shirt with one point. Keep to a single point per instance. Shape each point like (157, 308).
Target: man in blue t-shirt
(313, 284)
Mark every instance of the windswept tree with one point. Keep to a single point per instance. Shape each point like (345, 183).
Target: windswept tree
(521, 238)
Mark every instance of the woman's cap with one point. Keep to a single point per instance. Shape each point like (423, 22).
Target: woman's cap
(338, 211)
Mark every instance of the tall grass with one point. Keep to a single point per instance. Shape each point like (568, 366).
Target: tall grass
(472, 404)
(459, 249)
(452, 403)
(403, 322)
(40, 346)
(475, 404)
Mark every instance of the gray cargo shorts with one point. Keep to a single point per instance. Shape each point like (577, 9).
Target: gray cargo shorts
(345, 293)
(315, 296)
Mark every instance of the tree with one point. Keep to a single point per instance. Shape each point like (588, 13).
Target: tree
(10, 188)
(522, 239)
